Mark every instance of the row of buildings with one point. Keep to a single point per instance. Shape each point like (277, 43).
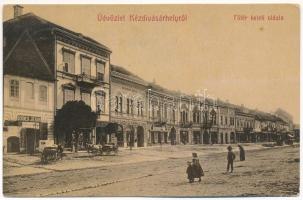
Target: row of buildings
(46, 65)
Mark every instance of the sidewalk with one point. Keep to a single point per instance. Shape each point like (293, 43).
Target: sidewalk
(21, 164)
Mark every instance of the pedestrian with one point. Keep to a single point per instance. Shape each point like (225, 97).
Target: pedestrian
(198, 171)
(230, 159)
(60, 151)
(190, 172)
(242, 153)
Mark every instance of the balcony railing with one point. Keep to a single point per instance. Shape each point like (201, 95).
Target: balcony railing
(89, 80)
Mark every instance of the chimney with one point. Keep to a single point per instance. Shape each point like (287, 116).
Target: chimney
(18, 11)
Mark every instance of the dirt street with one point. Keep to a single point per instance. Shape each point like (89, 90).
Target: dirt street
(266, 172)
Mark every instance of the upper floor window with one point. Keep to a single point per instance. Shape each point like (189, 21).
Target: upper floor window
(69, 95)
(42, 93)
(165, 111)
(85, 65)
(29, 91)
(231, 122)
(85, 96)
(141, 108)
(100, 70)
(121, 104)
(127, 105)
(221, 119)
(14, 88)
(117, 104)
(174, 118)
(132, 106)
(138, 108)
(100, 99)
(225, 120)
(68, 61)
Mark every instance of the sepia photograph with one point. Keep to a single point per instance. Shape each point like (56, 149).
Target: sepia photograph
(151, 100)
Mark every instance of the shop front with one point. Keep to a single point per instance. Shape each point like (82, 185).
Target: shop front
(23, 134)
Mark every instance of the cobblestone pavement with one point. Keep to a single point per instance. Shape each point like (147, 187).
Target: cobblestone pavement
(266, 172)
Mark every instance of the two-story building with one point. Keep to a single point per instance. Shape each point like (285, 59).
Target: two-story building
(128, 108)
(226, 117)
(28, 90)
(244, 125)
(77, 65)
(162, 116)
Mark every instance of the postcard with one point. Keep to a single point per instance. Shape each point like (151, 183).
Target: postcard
(142, 100)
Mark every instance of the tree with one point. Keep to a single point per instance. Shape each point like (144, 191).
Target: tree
(72, 118)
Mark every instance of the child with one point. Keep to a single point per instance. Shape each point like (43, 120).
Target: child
(190, 172)
(230, 159)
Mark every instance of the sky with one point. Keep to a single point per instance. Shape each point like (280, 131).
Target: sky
(254, 63)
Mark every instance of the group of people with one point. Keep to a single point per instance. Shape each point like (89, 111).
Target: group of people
(194, 169)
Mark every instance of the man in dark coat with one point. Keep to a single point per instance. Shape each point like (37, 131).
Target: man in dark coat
(230, 159)
(242, 153)
(190, 172)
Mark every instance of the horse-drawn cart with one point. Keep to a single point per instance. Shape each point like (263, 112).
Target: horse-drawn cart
(98, 149)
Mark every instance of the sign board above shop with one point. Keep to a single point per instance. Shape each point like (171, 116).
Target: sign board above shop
(25, 118)
(32, 125)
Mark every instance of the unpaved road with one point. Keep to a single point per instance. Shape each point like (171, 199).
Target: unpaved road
(270, 172)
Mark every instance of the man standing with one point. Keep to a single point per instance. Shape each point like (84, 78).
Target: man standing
(230, 159)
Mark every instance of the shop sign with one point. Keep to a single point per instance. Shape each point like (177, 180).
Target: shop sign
(30, 125)
(25, 118)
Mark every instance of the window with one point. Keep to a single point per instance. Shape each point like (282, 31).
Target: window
(100, 101)
(225, 120)
(153, 111)
(131, 106)
(117, 104)
(43, 93)
(85, 96)
(69, 61)
(69, 95)
(174, 112)
(29, 91)
(127, 105)
(221, 118)
(232, 121)
(14, 88)
(100, 70)
(141, 108)
(121, 105)
(85, 65)
(138, 108)
(165, 111)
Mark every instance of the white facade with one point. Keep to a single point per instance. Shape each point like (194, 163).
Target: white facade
(28, 104)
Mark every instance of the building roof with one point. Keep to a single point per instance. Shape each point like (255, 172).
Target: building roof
(25, 60)
(124, 73)
(35, 56)
(33, 24)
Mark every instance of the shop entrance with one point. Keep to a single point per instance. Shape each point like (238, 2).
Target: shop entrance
(197, 137)
(13, 144)
(172, 136)
(140, 135)
(32, 140)
(184, 137)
